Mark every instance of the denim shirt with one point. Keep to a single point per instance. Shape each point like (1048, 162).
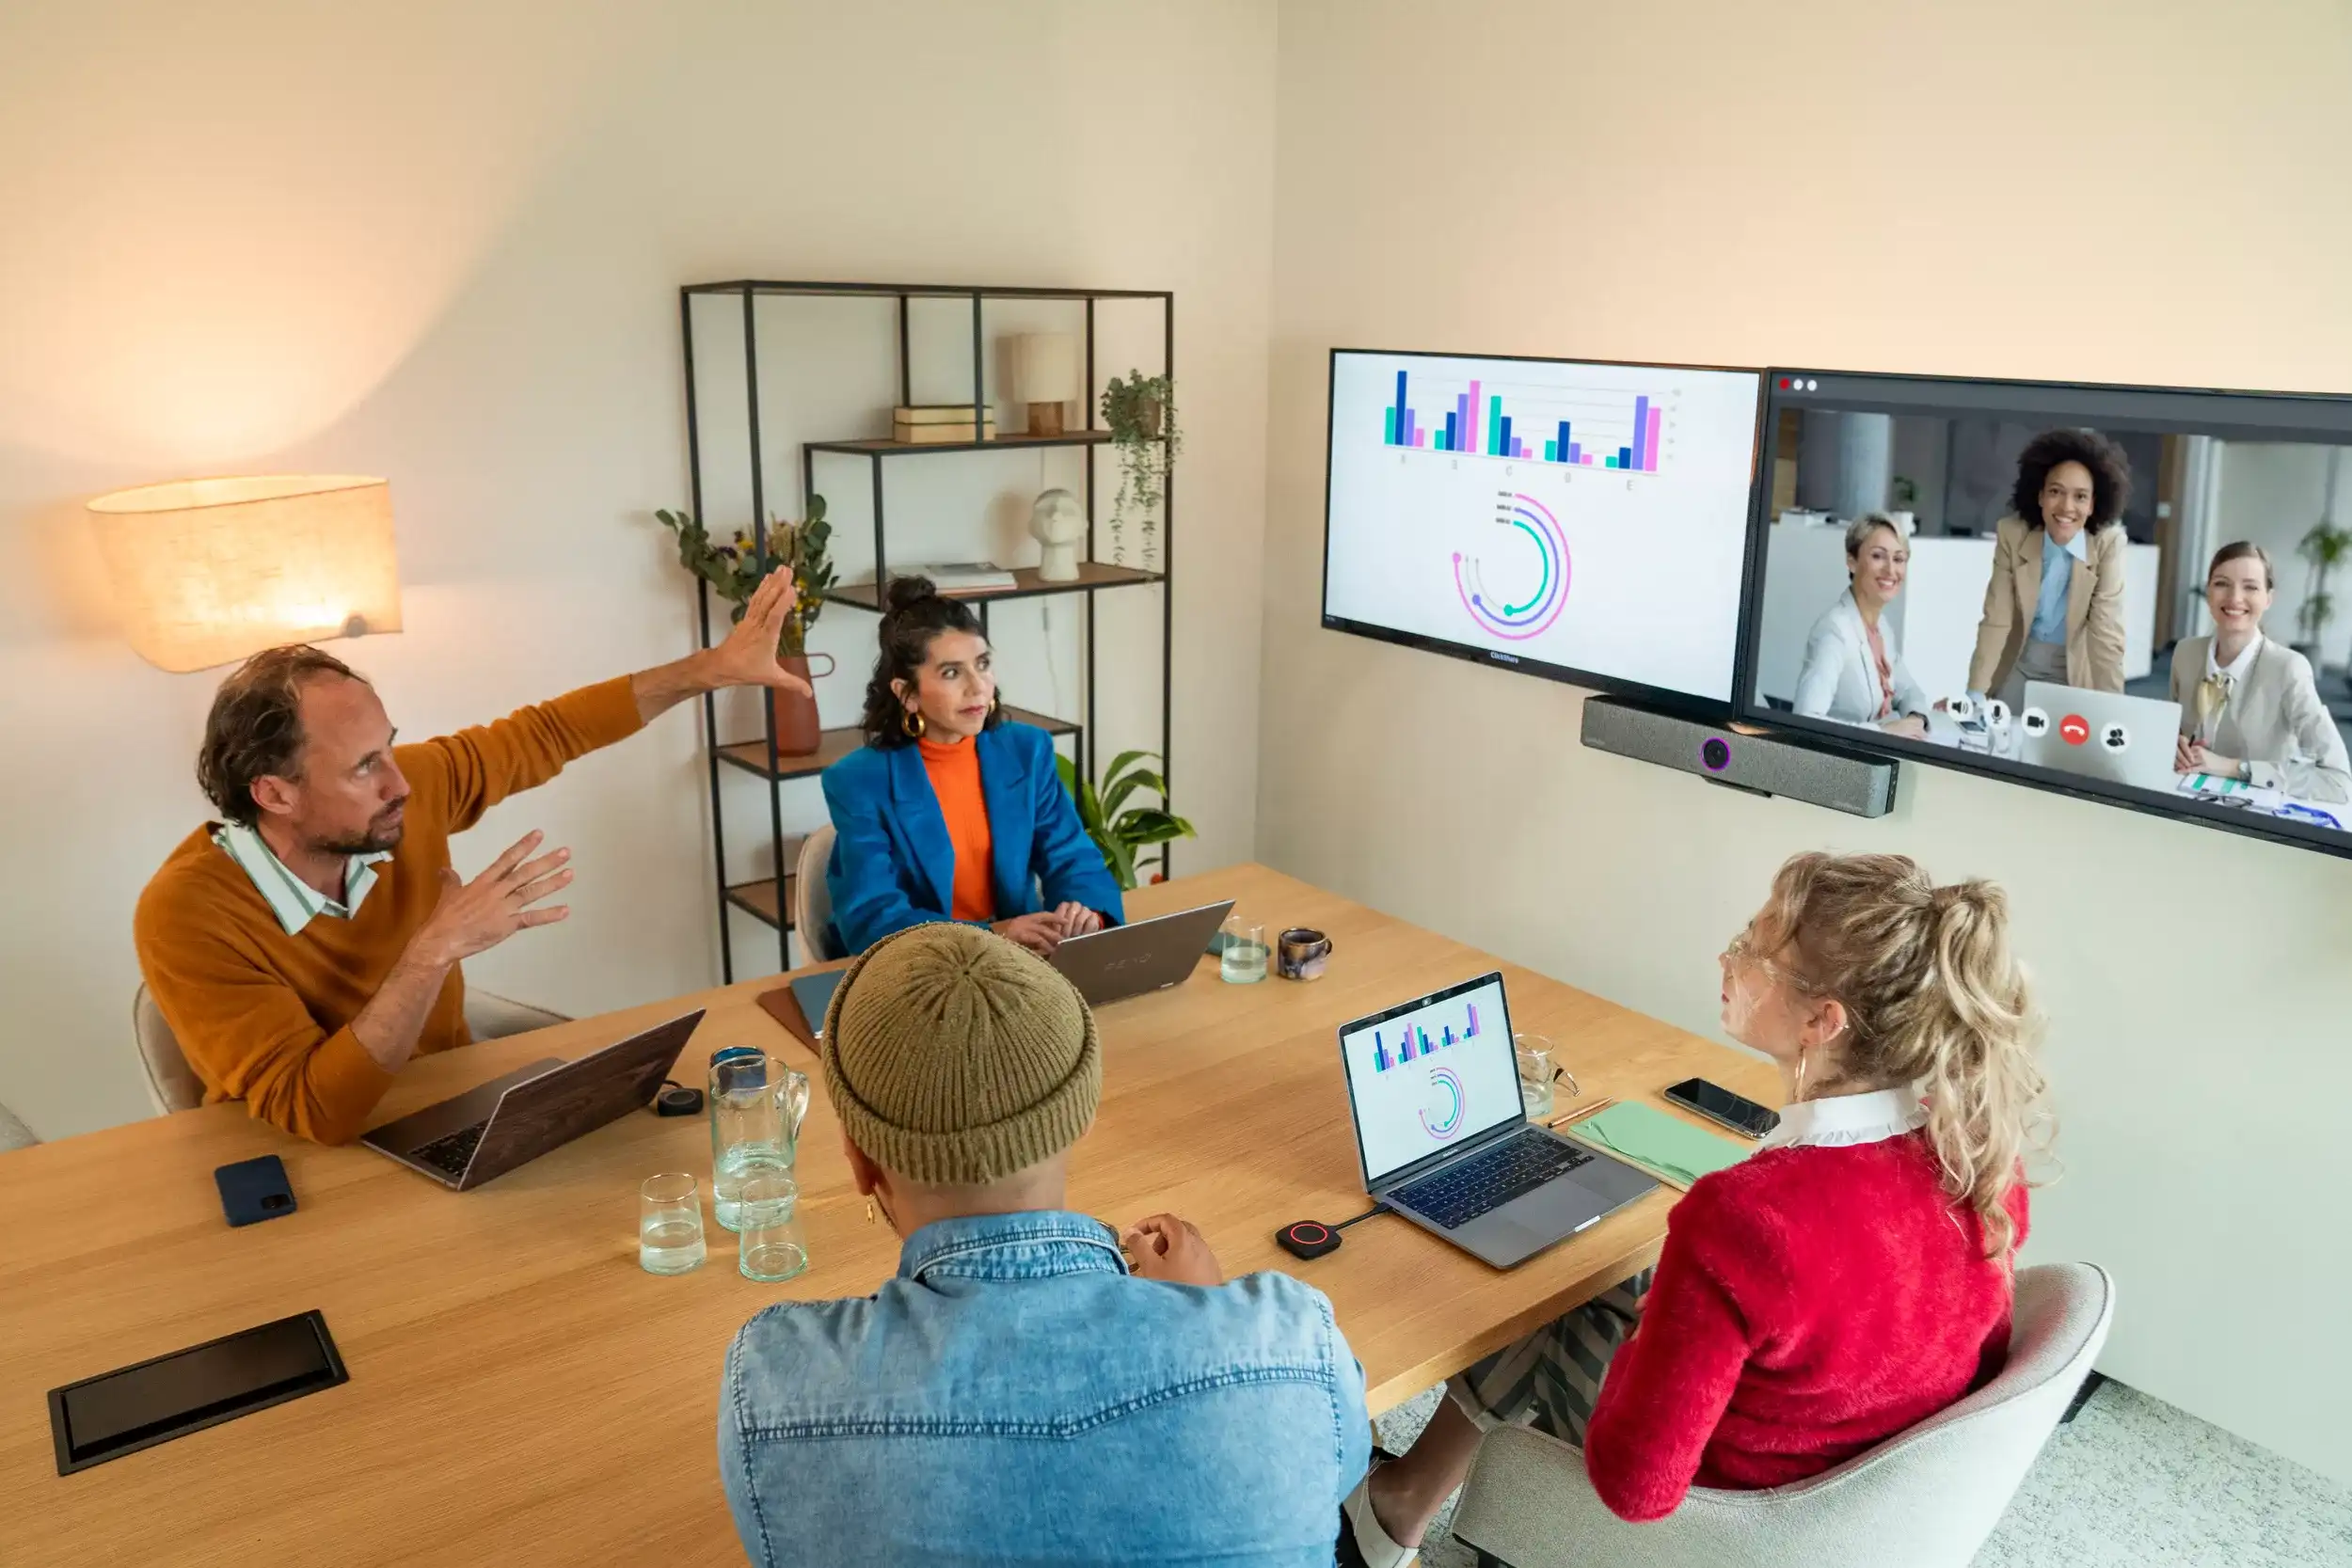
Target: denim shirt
(1014, 1396)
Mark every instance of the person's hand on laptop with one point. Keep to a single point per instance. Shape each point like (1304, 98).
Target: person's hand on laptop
(1172, 1251)
(1077, 920)
(1041, 933)
(473, 917)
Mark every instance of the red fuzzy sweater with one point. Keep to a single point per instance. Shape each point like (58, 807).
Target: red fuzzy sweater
(1810, 1302)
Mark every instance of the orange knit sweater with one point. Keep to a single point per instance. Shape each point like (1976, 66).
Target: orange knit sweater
(264, 1017)
(955, 775)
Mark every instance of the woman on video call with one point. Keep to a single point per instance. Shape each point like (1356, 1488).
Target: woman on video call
(951, 812)
(2249, 708)
(1849, 675)
(2054, 606)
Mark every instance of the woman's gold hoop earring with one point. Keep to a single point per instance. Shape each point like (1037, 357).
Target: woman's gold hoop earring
(869, 1210)
(995, 704)
(1801, 1061)
(911, 722)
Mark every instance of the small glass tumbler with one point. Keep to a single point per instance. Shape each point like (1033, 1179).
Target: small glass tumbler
(1537, 1070)
(1243, 962)
(768, 1243)
(668, 1225)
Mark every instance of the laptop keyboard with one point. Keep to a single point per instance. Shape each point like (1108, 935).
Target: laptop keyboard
(1459, 1194)
(452, 1153)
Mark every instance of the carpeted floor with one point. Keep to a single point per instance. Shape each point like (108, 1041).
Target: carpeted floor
(2131, 1483)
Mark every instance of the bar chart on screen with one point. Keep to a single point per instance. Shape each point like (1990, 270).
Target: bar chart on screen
(1530, 422)
(1414, 1042)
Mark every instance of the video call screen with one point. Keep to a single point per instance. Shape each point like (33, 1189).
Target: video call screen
(1583, 521)
(2144, 594)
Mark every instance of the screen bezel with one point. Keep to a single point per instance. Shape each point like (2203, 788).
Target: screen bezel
(1413, 1168)
(1594, 680)
(1997, 396)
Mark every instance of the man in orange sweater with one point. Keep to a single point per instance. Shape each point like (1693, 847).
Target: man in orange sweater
(307, 946)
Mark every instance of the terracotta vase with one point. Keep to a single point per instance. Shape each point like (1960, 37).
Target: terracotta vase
(797, 733)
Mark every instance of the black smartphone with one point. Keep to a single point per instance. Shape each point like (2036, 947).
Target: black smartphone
(254, 1190)
(1719, 1104)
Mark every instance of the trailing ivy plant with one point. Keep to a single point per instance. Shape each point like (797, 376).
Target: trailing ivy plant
(1141, 413)
(1121, 833)
(735, 570)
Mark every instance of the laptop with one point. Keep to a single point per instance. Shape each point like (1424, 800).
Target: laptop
(1442, 1137)
(515, 1117)
(2084, 730)
(1119, 961)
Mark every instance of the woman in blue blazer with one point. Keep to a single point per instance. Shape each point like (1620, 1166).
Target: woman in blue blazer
(951, 812)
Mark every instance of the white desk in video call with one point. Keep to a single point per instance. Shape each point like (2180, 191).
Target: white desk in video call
(1933, 625)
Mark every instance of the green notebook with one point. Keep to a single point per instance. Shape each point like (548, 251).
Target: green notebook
(1667, 1146)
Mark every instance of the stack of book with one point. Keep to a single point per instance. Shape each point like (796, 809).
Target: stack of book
(922, 425)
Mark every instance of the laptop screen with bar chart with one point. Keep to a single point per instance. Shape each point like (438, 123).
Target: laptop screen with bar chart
(1431, 1075)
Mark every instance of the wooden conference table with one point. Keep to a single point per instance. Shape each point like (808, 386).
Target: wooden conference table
(521, 1392)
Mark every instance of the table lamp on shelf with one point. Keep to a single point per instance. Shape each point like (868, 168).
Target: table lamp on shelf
(1045, 376)
(208, 570)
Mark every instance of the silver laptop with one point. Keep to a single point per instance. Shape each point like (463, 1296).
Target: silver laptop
(2100, 734)
(1119, 961)
(1442, 1137)
(515, 1117)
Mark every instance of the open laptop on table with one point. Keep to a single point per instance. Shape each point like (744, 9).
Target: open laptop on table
(1119, 961)
(2085, 728)
(515, 1117)
(1442, 1137)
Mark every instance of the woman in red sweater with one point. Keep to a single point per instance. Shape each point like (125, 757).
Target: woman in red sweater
(1851, 1279)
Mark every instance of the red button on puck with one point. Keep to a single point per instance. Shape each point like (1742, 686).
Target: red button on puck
(2074, 729)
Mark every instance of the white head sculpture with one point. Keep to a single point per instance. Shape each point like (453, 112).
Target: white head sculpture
(1059, 524)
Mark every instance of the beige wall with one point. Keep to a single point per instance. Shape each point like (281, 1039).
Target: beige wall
(441, 241)
(1952, 188)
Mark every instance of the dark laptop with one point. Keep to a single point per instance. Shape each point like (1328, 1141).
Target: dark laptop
(1151, 954)
(1442, 1137)
(515, 1117)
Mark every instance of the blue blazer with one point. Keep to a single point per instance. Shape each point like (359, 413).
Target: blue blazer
(893, 867)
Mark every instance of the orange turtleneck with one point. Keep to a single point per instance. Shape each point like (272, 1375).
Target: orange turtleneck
(954, 767)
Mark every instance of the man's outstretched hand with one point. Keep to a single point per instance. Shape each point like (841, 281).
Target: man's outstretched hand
(748, 657)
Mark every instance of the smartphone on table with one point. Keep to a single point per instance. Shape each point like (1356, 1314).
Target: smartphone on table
(1722, 1107)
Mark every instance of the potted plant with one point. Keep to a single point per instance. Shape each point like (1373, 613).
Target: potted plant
(1119, 833)
(1140, 412)
(2326, 547)
(734, 570)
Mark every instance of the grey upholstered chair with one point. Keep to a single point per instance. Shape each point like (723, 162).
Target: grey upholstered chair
(14, 1134)
(812, 900)
(1926, 1499)
(173, 1086)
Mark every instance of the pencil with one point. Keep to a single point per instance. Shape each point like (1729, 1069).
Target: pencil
(1580, 1113)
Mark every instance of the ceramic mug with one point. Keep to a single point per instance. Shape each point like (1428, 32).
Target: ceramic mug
(1301, 953)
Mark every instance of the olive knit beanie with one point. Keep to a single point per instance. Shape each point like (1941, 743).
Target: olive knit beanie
(956, 1057)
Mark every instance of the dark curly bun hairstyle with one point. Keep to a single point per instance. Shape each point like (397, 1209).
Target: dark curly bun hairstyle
(914, 612)
(2110, 474)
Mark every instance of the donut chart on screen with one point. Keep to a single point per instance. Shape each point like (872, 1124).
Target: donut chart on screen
(1449, 1092)
(1534, 598)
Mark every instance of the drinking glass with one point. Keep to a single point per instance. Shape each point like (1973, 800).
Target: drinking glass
(668, 1225)
(1537, 1070)
(768, 1243)
(1243, 962)
(756, 1104)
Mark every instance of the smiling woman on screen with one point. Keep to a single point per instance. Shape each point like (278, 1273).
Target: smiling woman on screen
(1848, 673)
(2053, 605)
(2249, 708)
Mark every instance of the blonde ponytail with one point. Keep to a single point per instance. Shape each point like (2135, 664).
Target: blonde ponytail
(1933, 997)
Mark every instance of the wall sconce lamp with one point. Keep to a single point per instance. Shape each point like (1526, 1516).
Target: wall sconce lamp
(208, 570)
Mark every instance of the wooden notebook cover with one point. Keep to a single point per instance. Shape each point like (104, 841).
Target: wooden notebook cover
(785, 1010)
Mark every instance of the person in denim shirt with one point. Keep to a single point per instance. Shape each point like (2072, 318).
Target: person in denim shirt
(1019, 1392)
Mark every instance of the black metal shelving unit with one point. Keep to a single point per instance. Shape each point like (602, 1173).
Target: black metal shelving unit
(770, 900)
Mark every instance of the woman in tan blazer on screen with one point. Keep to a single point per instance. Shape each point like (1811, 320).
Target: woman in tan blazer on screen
(2249, 708)
(2056, 616)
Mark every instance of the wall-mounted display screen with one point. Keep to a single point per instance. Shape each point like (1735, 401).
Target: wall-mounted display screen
(1580, 520)
(2141, 594)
